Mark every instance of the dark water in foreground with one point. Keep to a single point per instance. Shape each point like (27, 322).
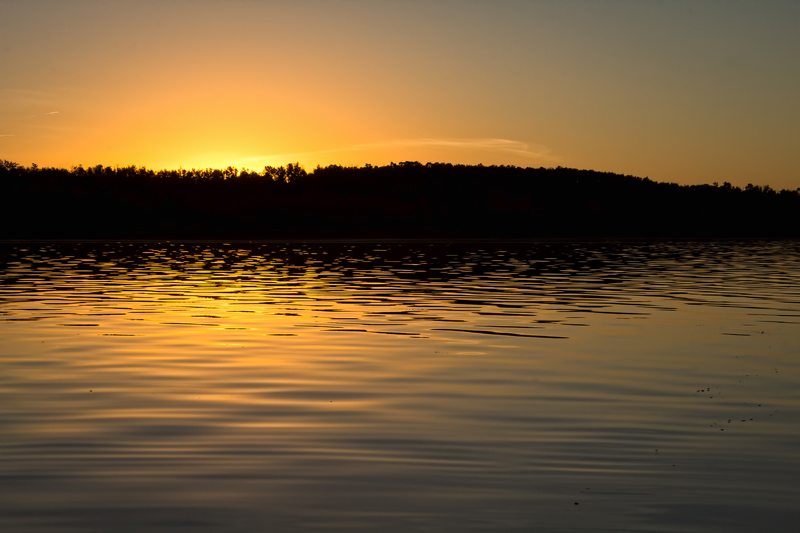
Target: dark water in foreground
(400, 387)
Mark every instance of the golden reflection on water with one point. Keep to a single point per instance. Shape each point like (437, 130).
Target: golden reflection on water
(407, 386)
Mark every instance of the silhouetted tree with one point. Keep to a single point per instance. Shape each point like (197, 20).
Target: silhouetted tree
(406, 199)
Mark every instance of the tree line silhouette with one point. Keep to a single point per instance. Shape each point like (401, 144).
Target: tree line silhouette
(404, 200)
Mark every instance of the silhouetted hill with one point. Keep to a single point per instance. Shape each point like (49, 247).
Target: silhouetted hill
(400, 200)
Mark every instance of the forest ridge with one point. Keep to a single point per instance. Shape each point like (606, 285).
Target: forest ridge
(404, 200)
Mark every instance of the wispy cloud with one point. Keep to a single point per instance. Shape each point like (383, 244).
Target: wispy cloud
(43, 114)
(489, 147)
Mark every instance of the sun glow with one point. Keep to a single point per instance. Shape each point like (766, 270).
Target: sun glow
(248, 84)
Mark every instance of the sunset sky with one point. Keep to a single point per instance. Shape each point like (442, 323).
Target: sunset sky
(686, 91)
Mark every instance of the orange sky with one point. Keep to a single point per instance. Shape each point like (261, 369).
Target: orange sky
(677, 91)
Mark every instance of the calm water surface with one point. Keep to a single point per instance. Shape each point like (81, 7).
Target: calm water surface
(400, 387)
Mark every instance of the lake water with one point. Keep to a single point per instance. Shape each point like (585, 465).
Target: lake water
(400, 386)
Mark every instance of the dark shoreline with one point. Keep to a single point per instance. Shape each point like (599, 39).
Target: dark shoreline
(394, 240)
(405, 202)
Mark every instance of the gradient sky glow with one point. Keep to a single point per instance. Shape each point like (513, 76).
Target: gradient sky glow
(686, 91)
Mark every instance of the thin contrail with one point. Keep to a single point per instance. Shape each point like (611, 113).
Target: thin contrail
(43, 114)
